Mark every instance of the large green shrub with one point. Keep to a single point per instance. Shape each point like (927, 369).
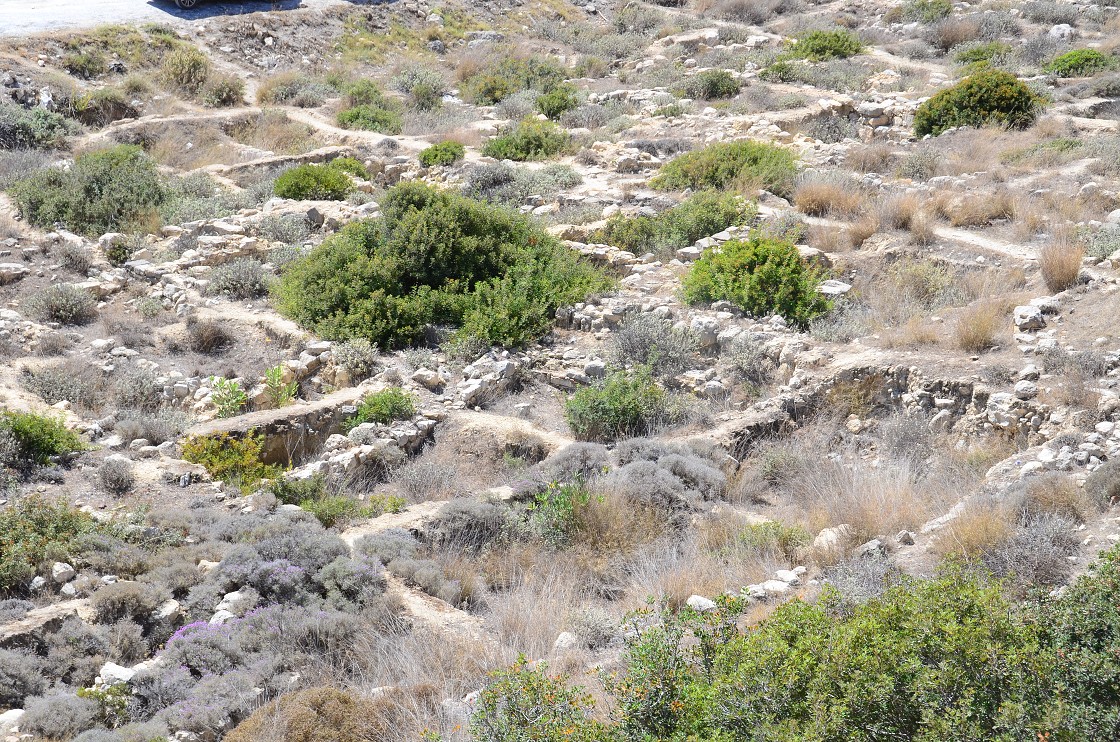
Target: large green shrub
(39, 437)
(743, 163)
(313, 183)
(624, 405)
(712, 84)
(1079, 63)
(33, 531)
(105, 191)
(558, 101)
(31, 128)
(512, 75)
(700, 215)
(435, 258)
(760, 276)
(530, 139)
(370, 117)
(229, 459)
(819, 46)
(442, 153)
(989, 96)
(926, 11)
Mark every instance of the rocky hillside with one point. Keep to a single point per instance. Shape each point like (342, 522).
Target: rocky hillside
(547, 371)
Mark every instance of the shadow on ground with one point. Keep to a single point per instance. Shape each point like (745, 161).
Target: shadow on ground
(209, 9)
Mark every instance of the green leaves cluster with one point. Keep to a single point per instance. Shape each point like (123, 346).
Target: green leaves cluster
(623, 405)
(33, 531)
(38, 437)
(821, 46)
(442, 153)
(700, 215)
(990, 96)
(1080, 63)
(107, 190)
(365, 107)
(529, 139)
(436, 258)
(313, 183)
(512, 75)
(231, 459)
(383, 407)
(759, 275)
(742, 164)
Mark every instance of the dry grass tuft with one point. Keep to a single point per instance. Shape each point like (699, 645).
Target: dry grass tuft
(829, 198)
(979, 324)
(978, 529)
(923, 232)
(973, 210)
(898, 211)
(1057, 494)
(861, 231)
(875, 158)
(1060, 261)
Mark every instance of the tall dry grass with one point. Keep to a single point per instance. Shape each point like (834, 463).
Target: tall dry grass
(1060, 261)
(979, 324)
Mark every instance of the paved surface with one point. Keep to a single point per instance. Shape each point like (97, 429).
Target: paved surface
(22, 17)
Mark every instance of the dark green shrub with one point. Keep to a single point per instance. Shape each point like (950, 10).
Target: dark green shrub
(31, 128)
(442, 153)
(742, 164)
(39, 437)
(435, 257)
(530, 139)
(294, 491)
(384, 407)
(712, 84)
(988, 97)
(33, 531)
(1079, 63)
(313, 183)
(760, 276)
(700, 215)
(926, 11)
(105, 191)
(512, 75)
(820, 46)
(558, 101)
(624, 405)
(370, 117)
(350, 166)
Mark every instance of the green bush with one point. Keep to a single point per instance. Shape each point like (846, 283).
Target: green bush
(760, 276)
(531, 139)
(623, 405)
(988, 97)
(526, 704)
(986, 52)
(63, 303)
(435, 258)
(349, 165)
(105, 191)
(558, 101)
(820, 46)
(185, 68)
(1079, 63)
(101, 107)
(229, 459)
(223, 91)
(384, 407)
(512, 75)
(712, 84)
(31, 128)
(313, 183)
(86, 65)
(926, 11)
(700, 215)
(442, 153)
(34, 531)
(371, 117)
(39, 437)
(742, 164)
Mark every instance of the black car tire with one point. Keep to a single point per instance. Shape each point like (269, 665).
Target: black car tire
(186, 4)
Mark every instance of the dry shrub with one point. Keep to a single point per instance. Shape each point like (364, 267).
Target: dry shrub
(532, 612)
(826, 238)
(207, 336)
(610, 526)
(979, 528)
(272, 130)
(861, 231)
(829, 197)
(923, 232)
(1057, 494)
(982, 284)
(978, 325)
(898, 210)
(916, 332)
(673, 575)
(1060, 262)
(874, 158)
(1031, 219)
(953, 32)
(873, 502)
(973, 210)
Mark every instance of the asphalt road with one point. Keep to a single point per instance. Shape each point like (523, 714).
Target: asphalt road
(22, 17)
